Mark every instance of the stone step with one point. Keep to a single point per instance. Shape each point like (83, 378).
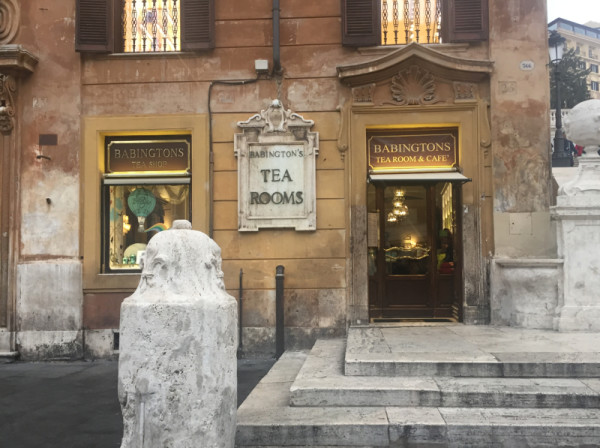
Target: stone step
(321, 382)
(468, 351)
(266, 419)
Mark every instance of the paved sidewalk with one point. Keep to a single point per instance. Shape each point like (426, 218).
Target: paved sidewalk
(75, 404)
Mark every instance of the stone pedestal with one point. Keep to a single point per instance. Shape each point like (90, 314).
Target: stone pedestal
(578, 227)
(577, 213)
(177, 363)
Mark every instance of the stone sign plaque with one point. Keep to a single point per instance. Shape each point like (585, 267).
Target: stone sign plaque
(276, 171)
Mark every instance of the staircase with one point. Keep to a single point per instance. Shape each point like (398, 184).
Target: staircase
(431, 386)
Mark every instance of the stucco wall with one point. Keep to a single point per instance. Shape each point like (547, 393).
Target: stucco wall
(520, 123)
(48, 292)
(315, 262)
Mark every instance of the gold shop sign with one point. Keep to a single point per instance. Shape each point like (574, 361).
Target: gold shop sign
(147, 155)
(429, 149)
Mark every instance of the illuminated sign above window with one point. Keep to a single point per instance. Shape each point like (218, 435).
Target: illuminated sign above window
(413, 150)
(143, 154)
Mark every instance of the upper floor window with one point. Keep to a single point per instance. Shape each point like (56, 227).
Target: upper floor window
(594, 86)
(150, 26)
(144, 26)
(400, 22)
(592, 53)
(594, 68)
(408, 21)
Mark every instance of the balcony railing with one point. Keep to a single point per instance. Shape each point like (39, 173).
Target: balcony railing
(406, 21)
(151, 26)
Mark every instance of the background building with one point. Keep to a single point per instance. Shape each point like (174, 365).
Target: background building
(113, 111)
(585, 39)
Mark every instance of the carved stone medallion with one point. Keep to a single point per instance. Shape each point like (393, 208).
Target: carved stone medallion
(414, 86)
(8, 86)
(464, 91)
(363, 94)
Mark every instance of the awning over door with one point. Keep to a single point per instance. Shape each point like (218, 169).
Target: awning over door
(451, 176)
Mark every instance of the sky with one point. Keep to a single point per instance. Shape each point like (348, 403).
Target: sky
(579, 11)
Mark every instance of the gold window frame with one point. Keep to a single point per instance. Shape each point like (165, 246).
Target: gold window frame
(93, 158)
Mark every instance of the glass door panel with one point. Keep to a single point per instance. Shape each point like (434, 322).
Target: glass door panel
(407, 246)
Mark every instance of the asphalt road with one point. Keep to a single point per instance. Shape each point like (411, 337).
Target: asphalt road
(75, 404)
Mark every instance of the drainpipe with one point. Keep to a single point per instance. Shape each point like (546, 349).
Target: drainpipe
(276, 56)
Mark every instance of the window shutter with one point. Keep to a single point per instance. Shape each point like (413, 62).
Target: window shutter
(94, 26)
(465, 20)
(361, 23)
(197, 24)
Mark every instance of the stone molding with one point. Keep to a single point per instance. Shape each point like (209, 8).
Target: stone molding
(385, 67)
(527, 263)
(16, 60)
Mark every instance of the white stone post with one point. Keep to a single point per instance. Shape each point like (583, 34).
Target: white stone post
(577, 213)
(178, 343)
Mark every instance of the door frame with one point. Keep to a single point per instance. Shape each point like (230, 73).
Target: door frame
(476, 238)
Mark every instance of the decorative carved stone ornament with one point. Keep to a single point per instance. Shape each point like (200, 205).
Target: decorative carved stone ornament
(8, 87)
(414, 86)
(464, 91)
(9, 20)
(342, 141)
(363, 94)
(276, 155)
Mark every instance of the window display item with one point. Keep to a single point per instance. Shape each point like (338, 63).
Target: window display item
(141, 202)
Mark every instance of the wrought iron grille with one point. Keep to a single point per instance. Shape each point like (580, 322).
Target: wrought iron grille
(406, 21)
(151, 26)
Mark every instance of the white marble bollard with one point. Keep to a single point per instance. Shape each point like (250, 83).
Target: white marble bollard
(178, 343)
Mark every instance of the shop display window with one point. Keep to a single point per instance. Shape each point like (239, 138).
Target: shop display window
(143, 201)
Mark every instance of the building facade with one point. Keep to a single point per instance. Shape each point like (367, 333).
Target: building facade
(385, 153)
(585, 39)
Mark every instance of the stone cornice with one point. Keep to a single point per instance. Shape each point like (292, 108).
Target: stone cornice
(15, 60)
(387, 66)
